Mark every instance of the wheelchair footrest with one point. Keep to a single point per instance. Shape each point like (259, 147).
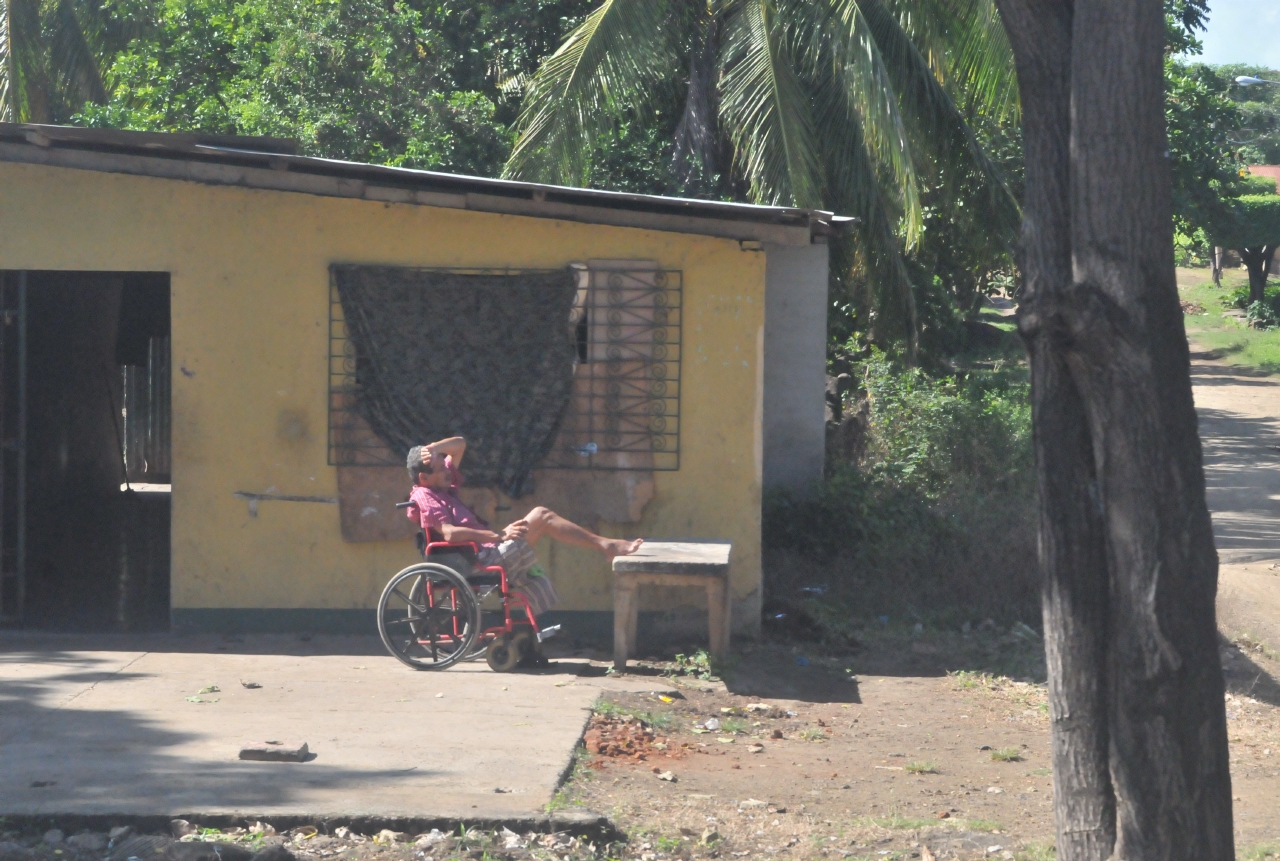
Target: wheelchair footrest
(547, 633)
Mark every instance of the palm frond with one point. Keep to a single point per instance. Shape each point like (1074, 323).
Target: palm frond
(848, 73)
(8, 67)
(28, 96)
(965, 44)
(765, 109)
(858, 185)
(937, 124)
(621, 49)
(72, 56)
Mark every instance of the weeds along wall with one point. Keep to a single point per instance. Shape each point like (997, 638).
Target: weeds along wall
(250, 314)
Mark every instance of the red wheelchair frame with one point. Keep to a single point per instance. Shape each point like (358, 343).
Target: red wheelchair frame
(505, 646)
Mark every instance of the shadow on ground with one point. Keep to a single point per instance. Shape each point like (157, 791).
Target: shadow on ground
(48, 754)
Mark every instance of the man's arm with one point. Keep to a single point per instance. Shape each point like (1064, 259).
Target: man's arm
(463, 534)
(454, 447)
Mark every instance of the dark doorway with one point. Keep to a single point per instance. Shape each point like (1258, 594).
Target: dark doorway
(95, 554)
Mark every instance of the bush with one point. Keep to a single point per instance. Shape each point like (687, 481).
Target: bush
(935, 522)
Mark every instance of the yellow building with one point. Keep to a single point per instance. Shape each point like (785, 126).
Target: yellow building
(180, 388)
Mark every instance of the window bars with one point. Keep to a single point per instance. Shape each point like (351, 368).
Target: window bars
(625, 410)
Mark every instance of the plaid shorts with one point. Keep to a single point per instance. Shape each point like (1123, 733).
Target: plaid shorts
(517, 557)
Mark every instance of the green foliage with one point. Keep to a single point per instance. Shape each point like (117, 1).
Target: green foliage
(937, 436)
(51, 54)
(657, 720)
(1259, 135)
(1255, 185)
(699, 665)
(351, 79)
(1006, 754)
(836, 104)
(927, 766)
(1201, 122)
(935, 520)
(1251, 221)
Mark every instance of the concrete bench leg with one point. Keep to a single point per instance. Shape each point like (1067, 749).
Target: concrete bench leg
(625, 609)
(718, 616)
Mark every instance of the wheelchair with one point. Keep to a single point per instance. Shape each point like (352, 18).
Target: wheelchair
(430, 615)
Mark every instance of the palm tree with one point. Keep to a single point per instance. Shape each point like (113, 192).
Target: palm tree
(825, 104)
(49, 59)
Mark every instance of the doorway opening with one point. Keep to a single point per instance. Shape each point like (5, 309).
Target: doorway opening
(85, 450)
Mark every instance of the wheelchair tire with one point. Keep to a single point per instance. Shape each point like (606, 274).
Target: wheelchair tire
(503, 654)
(428, 634)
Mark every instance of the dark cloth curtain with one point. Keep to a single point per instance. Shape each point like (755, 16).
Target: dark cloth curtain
(488, 357)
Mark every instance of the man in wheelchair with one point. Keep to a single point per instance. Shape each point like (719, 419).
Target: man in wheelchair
(434, 469)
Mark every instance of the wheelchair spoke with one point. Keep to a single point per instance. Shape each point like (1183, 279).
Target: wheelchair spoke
(419, 607)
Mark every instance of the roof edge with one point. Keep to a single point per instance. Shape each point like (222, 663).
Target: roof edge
(272, 164)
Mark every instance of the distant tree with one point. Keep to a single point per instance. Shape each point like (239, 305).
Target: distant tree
(1251, 226)
(837, 104)
(1259, 136)
(415, 84)
(1202, 122)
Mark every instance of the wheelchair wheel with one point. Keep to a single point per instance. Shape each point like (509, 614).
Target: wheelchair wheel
(428, 617)
(503, 654)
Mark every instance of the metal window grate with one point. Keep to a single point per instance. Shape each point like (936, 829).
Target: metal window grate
(625, 411)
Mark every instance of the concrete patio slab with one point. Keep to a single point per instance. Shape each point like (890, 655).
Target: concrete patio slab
(107, 725)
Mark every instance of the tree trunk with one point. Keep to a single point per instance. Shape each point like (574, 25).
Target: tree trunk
(1257, 261)
(1217, 265)
(1136, 692)
(694, 160)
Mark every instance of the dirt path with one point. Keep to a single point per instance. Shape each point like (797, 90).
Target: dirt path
(1240, 430)
(920, 754)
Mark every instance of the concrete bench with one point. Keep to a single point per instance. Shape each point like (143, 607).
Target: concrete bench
(698, 564)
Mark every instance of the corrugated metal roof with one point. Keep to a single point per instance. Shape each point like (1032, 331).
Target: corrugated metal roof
(273, 163)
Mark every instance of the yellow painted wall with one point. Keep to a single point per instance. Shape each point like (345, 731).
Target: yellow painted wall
(250, 282)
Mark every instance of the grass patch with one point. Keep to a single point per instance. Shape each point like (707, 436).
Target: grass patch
(1260, 852)
(813, 734)
(927, 766)
(1038, 851)
(655, 719)
(1006, 754)
(1230, 339)
(578, 773)
(902, 823)
(987, 826)
(734, 725)
(700, 665)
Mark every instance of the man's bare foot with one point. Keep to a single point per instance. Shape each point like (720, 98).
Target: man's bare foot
(620, 547)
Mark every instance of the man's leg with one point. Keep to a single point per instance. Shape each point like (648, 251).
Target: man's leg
(544, 521)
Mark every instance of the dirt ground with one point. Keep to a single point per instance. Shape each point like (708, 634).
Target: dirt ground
(905, 749)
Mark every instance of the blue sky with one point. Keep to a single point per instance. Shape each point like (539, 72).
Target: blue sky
(1243, 31)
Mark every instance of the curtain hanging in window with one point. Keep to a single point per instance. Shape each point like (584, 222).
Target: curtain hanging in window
(485, 356)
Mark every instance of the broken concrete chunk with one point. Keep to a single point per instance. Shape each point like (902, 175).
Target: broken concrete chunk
(430, 839)
(120, 832)
(201, 851)
(53, 836)
(181, 828)
(144, 847)
(275, 751)
(88, 841)
(274, 853)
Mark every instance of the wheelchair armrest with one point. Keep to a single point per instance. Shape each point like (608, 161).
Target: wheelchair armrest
(467, 548)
